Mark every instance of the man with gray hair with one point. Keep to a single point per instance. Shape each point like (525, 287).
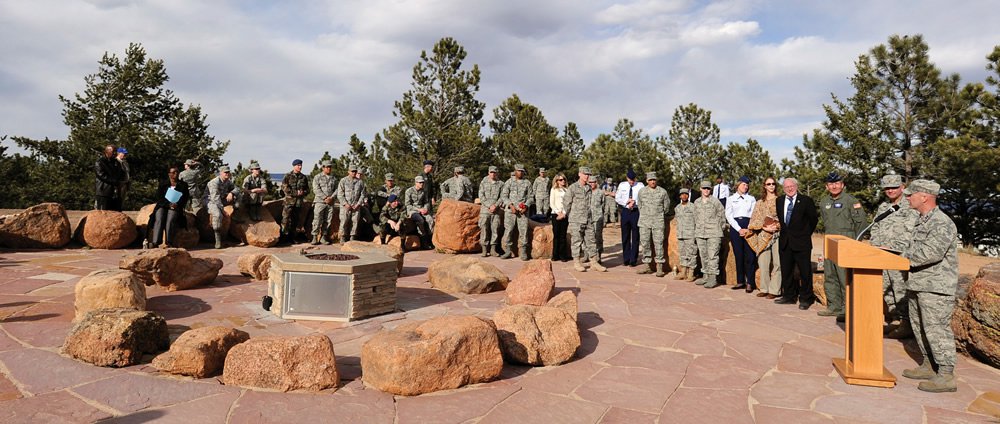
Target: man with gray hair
(351, 195)
(933, 256)
(324, 194)
(797, 213)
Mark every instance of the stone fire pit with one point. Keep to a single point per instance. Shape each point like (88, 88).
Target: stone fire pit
(332, 286)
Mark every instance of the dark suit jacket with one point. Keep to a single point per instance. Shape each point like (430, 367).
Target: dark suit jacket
(797, 235)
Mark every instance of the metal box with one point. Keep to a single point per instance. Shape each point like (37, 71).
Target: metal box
(318, 296)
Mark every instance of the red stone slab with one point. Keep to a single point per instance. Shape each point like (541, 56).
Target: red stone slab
(207, 410)
(869, 406)
(133, 392)
(561, 379)
(795, 391)
(626, 416)
(267, 407)
(637, 389)
(56, 407)
(719, 372)
(646, 336)
(796, 359)
(23, 286)
(40, 371)
(635, 356)
(458, 405)
(531, 406)
(770, 414)
(701, 341)
(7, 390)
(41, 334)
(707, 406)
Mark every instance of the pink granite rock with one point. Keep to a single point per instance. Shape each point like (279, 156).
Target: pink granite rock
(109, 288)
(426, 356)
(537, 335)
(43, 226)
(456, 227)
(172, 269)
(533, 284)
(262, 233)
(107, 230)
(255, 265)
(200, 352)
(186, 237)
(566, 301)
(283, 363)
(116, 337)
(463, 274)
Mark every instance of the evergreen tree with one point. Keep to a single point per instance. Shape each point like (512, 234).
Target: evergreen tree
(611, 155)
(748, 159)
(572, 142)
(693, 145)
(521, 134)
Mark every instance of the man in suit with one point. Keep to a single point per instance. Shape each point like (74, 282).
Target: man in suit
(626, 197)
(797, 213)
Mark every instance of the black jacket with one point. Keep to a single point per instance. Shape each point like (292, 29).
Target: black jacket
(110, 176)
(797, 235)
(161, 202)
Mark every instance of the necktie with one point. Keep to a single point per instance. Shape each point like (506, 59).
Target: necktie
(788, 210)
(629, 192)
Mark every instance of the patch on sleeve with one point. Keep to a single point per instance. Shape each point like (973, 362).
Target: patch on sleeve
(857, 206)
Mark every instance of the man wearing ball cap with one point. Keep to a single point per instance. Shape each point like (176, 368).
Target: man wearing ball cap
(295, 185)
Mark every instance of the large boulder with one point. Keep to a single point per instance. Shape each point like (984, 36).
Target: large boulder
(107, 230)
(976, 320)
(533, 284)
(109, 288)
(186, 237)
(43, 226)
(200, 352)
(541, 240)
(462, 274)
(283, 363)
(412, 242)
(537, 335)
(391, 250)
(566, 301)
(116, 337)
(426, 356)
(204, 221)
(263, 233)
(255, 265)
(456, 227)
(172, 269)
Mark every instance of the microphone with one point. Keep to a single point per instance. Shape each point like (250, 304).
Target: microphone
(881, 216)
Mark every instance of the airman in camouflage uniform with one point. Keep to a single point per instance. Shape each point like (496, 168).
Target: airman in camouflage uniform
(255, 187)
(295, 186)
(597, 200)
(933, 255)
(221, 192)
(351, 195)
(386, 190)
(576, 202)
(516, 197)
(324, 194)
(894, 232)
(458, 187)
(709, 225)
(842, 215)
(541, 189)
(192, 176)
(390, 218)
(418, 208)
(686, 247)
(490, 208)
(610, 207)
(654, 202)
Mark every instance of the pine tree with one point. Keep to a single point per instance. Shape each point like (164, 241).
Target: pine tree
(522, 135)
(611, 155)
(693, 145)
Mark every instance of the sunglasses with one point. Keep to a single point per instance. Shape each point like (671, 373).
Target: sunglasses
(769, 184)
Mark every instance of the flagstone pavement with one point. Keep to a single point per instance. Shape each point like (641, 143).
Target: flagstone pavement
(654, 350)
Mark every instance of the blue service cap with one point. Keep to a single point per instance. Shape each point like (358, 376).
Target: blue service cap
(630, 174)
(745, 179)
(122, 150)
(393, 197)
(297, 162)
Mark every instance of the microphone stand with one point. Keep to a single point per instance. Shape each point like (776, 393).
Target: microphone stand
(884, 215)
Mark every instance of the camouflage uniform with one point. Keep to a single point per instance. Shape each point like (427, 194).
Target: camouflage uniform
(459, 188)
(252, 200)
(541, 189)
(350, 193)
(324, 194)
(390, 213)
(517, 191)
(415, 200)
(217, 191)
(489, 223)
(597, 206)
(577, 205)
(686, 247)
(193, 179)
(610, 207)
(653, 206)
(383, 193)
(709, 223)
(290, 185)
(841, 216)
(894, 232)
(933, 282)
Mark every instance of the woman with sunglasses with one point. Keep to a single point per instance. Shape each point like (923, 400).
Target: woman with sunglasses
(559, 226)
(763, 239)
(168, 215)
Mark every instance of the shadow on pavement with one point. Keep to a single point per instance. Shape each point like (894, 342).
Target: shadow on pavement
(173, 306)
(588, 339)
(28, 318)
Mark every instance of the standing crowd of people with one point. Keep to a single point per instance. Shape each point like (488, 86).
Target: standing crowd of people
(771, 233)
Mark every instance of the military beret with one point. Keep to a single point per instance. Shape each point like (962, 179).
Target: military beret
(892, 181)
(585, 170)
(419, 179)
(705, 184)
(744, 179)
(392, 197)
(297, 162)
(592, 179)
(493, 169)
(650, 176)
(459, 169)
(254, 165)
(390, 177)
(122, 150)
(428, 162)
(519, 167)
(922, 186)
(685, 191)
(833, 177)
(223, 168)
(325, 164)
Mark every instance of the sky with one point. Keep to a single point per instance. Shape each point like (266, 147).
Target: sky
(293, 79)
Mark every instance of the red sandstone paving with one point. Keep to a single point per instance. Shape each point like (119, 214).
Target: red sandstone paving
(40, 371)
(790, 391)
(870, 408)
(701, 341)
(646, 336)
(131, 392)
(50, 408)
(796, 359)
(768, 414)
(945, 416)
(662, 360)
(625, 416)
(638, 389)
(707, 406)
(207, 410)
(450, 406)
(719, 372)
(7, 389)
(531, 406)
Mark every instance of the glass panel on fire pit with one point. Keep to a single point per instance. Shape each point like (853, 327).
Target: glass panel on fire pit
(311, 295)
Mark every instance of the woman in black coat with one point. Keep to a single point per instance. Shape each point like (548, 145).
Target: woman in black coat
(168, 216)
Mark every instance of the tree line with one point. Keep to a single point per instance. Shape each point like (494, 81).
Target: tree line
(903, 116)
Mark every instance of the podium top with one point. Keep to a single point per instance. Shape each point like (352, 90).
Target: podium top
(849, 253)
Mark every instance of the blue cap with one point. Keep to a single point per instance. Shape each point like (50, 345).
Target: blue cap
(428, 162)
(745, 179)
(297, 162)
(392, 197)
(122, 150)
(630, 174)
(834, 177)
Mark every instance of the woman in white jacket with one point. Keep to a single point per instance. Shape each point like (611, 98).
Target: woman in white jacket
(559, 226)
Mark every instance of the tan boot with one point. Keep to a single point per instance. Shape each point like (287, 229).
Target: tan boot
(923, 372)
(941, 382)
(578, 265)
(689, 274)
(659, 270)
(902, 331)
(596, 265)
(644, 269)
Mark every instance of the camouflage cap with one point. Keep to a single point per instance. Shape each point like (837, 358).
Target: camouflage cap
(592, 179)
(519, 167)
(493, 169)
(650, 176)
(190, 162)
(419, 179)
(390, 177)
(922, 186)
(892, 181)
(326, 164)
(585, 170)
(223, 168)
(254, 165)
(352, 168)
(541, 170)
(705, 184)
(609, 179)
(459, 169)
(685, 191)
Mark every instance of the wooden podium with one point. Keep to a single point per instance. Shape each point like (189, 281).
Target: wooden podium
(864, 263)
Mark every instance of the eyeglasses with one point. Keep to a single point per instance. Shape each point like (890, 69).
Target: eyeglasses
(769, 184)
(560, 179)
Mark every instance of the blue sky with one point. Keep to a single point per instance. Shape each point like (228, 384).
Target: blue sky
(285, 80)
